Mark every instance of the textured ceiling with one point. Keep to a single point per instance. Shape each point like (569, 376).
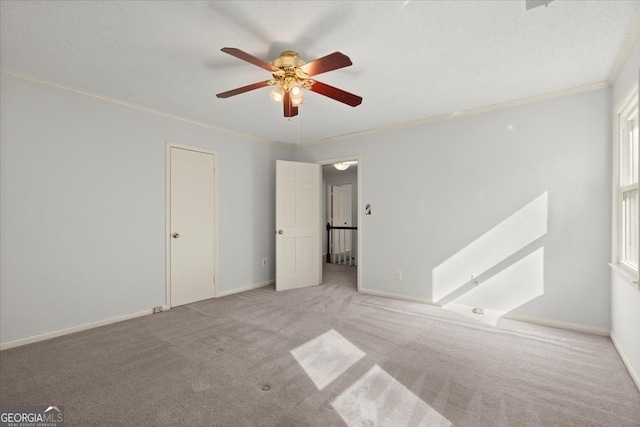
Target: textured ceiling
(411, 59)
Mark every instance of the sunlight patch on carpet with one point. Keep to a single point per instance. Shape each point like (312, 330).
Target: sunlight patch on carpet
(326, 357)
(377, 399)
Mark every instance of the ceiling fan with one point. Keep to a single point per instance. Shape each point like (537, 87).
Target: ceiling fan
(291, 75)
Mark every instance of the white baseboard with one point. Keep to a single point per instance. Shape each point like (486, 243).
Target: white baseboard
(60, 332)
(558, 324)
(397, 296)
(543, 322)
(246, 288)
(634, 375)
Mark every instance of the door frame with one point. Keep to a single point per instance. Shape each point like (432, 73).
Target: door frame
(357, 158)
(167, 216)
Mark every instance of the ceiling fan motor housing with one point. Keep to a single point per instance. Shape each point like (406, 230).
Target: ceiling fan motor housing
(288, 58)
(289, 73)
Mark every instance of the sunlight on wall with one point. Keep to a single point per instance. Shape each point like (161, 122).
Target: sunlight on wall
(326, 357)
(514, 233)
(377, 399)
(517, 284)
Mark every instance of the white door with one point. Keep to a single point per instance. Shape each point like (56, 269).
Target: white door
(192, 203)
(341, 217)
(298, 259)
(339, 214)
(338, 219)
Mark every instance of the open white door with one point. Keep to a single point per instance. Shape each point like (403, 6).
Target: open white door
(298, 259)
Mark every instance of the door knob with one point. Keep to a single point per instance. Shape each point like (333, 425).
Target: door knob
(280, 231)
(175, 235)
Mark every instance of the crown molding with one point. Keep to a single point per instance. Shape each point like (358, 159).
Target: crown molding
(625, 50)
(139, 107)
(343, 137)
(457, 114)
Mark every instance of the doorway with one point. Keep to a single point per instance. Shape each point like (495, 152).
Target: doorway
(191, 224)
(342, 214)
(342, 235)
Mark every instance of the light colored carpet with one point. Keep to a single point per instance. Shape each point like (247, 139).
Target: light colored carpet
(325, 356)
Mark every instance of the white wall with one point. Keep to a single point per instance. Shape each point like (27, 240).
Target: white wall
(83, 208)
(436, 188)
(625, 296)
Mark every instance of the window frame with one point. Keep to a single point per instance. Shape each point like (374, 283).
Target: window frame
(628, 108)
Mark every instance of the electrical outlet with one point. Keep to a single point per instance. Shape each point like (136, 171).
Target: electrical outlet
(264, 262)
(157, 309)
(398, 274)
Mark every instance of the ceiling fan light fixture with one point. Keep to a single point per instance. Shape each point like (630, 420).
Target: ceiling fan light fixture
(341, 166)
(297, 94)
(296, 91)
(277, 94)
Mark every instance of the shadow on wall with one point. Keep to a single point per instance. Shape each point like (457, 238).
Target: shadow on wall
(498, 272)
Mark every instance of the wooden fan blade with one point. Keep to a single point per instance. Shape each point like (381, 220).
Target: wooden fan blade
(243, 89)
(290, 110)
(326, 63)
(337, 94)
(249, 58)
